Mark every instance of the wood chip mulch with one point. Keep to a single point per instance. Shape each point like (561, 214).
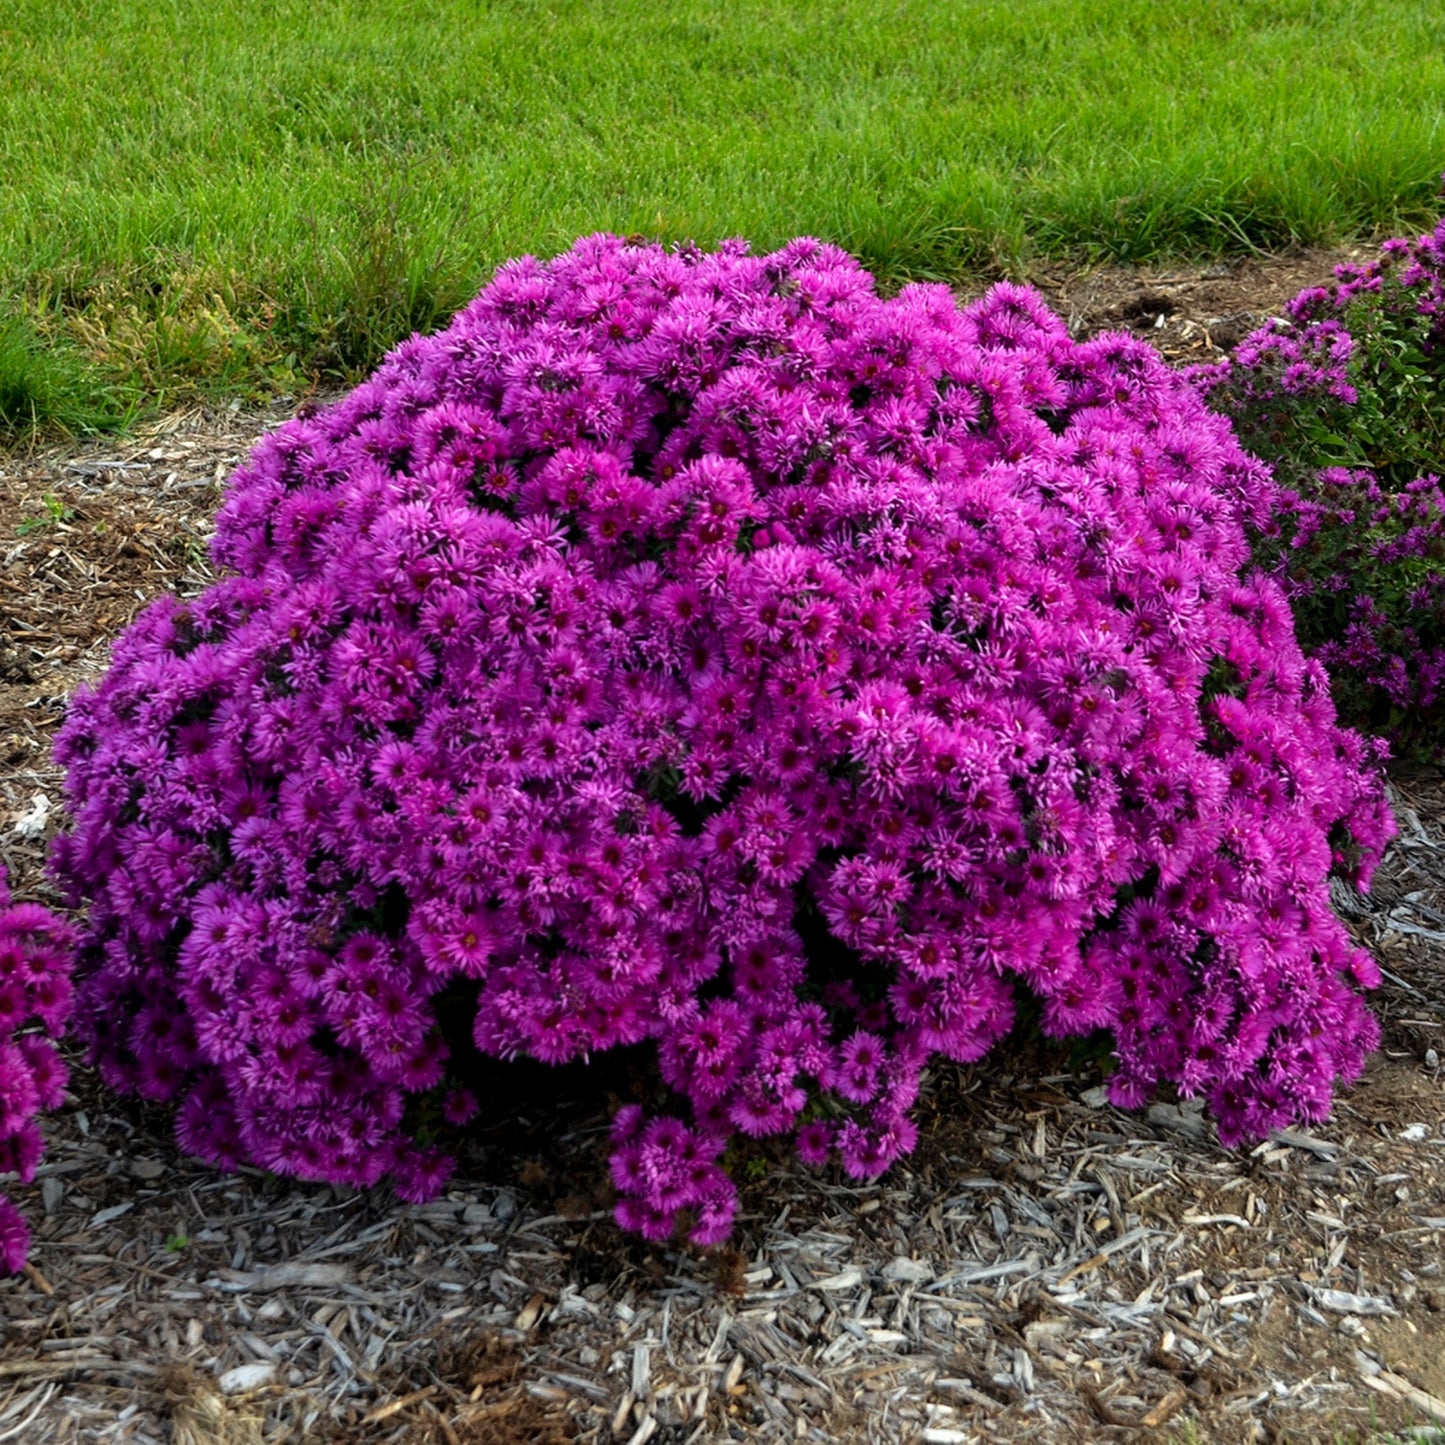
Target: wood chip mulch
(1044, 1267)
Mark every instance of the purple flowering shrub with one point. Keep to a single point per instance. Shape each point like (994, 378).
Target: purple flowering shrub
(35, 1003)
(699, 649)
(1345, 397)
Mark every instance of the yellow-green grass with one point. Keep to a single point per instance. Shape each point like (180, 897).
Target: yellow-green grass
(214, 194)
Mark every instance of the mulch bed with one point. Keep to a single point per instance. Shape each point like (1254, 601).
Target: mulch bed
(1044, 1267)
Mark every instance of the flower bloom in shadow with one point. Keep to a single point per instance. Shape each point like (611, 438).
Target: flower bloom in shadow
(36, 951)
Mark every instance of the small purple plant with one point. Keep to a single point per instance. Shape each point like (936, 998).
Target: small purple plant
(35, 1003)
(1345, 397)
(696, 648)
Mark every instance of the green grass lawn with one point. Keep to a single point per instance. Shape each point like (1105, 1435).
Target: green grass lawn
(206, 194)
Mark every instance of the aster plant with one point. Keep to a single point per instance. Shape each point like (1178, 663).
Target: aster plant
(696, 648)
(35, 1003)
(1344, 395)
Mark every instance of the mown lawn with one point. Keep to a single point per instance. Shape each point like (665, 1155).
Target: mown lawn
(215, 194)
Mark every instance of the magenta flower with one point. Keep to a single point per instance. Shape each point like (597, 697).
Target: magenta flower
(35, 1000)
(1340, 395)
(698, 649)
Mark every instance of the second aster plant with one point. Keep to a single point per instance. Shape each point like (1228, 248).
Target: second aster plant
(1345, 396)
(697, 648)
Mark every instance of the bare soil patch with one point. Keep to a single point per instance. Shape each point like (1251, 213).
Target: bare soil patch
(1190, 313)
(1044, 1267)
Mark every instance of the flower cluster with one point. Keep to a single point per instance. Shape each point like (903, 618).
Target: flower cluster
(1345, 397)
(35, 1002)
(697, 648)
(1365, 571)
